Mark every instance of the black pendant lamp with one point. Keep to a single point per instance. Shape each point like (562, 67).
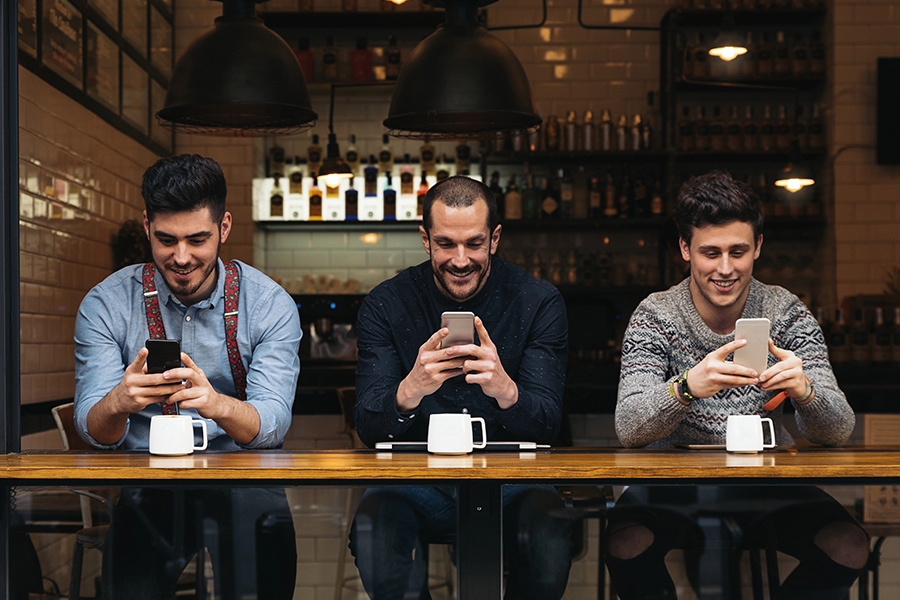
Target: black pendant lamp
(461, 82)
(238, 78)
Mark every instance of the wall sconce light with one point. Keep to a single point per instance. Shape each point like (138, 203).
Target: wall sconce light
(238, 78)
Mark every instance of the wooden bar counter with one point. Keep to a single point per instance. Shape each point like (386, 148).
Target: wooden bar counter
(478, 477)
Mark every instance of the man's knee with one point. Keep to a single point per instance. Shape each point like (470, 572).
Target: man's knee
(628, 540)
(844, 543)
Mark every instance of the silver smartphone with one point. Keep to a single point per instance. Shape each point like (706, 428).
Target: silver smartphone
(756, 353)
(462, 328)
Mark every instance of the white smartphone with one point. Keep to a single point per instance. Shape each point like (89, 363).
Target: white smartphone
(756, 353)
(462, 328)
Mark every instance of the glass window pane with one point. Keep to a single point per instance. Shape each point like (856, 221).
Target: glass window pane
(102, 68)
(109, 10)
(28, 27)
(134, 93)
(134, 24)
(160, 43)
(61, 33)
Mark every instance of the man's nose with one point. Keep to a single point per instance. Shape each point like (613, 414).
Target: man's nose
(182, 253)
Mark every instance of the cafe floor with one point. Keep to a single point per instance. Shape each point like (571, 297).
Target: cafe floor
(321, 514)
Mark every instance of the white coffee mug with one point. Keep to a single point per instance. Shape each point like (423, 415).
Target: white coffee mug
(173, 435)
(744, 433)
(451, 433)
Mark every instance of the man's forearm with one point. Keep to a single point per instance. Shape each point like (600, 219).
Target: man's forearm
(105, 423)
(240, 420)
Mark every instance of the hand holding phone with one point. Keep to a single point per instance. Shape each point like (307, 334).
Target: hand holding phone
(462, 328)
(756, 353)
(164, 355)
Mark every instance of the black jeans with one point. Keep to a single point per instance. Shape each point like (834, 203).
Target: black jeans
(156, 532)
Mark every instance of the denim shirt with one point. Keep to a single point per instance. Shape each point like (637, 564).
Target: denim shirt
(111, 327)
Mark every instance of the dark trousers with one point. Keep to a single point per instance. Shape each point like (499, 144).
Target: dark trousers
(156, 532)
(786, 517)
(391, 523)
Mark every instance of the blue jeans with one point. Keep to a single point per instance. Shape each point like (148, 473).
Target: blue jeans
(392, 522)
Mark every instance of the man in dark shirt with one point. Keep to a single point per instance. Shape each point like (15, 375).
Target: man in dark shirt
(513, 376)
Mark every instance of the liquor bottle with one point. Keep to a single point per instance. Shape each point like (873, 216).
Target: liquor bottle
(385, 156)
(622, 133)
(782, 130)
(549, 199)
(799, 56)
(595, 198)
(717, 131)
(838, 340)
(551, 133)
(463, 155)
(361, 61)
(421, 192)
(625, 202)
(330, 61)
(442, 169)
(685, 130)
(352, 156)
(512, 201)
(517, 140)
(391, 58)
(276, 200)
(407, 176)
(700, 59)
(637, 128)
(306, 58)
(389, 197)
(370, 178)
(647, 134)
(610, 197)
(880, 339)
(816, 54)
(499, 145)
(580, 203)
(606, 130)
(588, 132)
(701, 131)
(640, 199)
(497, 189)
(799, 127)
(315, 200)
(859, 338)
(765, 58)
(531, 198)
(426, 157)
(333, 208)
(571, 128)
(295, 181)
(657, 203)
(895, 337)
(781, 62)
(749, 131)
(275, 158)
(734, 131)
(766, 131)
(566, 195)
(815, 129)
(314, 156)
(351, 202)
(749, 59)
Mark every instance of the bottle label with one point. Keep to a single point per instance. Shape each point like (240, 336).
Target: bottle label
(549, 205)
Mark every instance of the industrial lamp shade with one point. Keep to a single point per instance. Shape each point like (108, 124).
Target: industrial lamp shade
(238, 78)
(461, 82)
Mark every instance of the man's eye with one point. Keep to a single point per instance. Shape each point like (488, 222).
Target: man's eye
(197, 242)
(166, 242)
(737, 254)
(711, 255)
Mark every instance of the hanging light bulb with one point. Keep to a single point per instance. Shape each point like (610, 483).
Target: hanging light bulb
(728, 45)
(795, 175)
(334, 168)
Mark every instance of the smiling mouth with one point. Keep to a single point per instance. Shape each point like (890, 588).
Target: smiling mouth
(183, 273)
(724, 284)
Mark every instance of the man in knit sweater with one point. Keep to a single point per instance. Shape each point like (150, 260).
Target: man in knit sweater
(513, 377)
(678, 385)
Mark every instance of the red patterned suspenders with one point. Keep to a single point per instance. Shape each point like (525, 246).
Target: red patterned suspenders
(232, 296)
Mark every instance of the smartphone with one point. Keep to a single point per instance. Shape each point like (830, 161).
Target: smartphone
(164, 355)
(462, 328)
(756, 353)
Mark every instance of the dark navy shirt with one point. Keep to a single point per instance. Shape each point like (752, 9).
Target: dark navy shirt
(526, 319)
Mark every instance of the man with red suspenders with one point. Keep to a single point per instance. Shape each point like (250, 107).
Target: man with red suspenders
(239, 333)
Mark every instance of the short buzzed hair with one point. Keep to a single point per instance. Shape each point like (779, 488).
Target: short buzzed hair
(460, 191)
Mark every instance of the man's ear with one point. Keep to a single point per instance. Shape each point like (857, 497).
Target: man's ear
(426, 240)
(225, 227)
(685, 249)
(495, 238)
(146, 224)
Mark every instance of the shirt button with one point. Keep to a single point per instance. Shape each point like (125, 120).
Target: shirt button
(187, 318)
(465, 410)
(412, 416)
(391, 435)
(400, 420)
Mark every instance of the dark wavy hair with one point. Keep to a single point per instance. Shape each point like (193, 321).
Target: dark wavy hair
(184, 182)
(715, 199)
(459, 192)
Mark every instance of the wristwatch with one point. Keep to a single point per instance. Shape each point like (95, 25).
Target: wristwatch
(809, 390)
(681, 384)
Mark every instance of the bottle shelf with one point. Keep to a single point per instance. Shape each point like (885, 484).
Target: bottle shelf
(612, 223)
(742, 86)
(340, 20)
(775, 156)
(583, 157)
(758, 17)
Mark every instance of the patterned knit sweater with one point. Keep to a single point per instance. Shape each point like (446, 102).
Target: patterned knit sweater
(666, 335)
